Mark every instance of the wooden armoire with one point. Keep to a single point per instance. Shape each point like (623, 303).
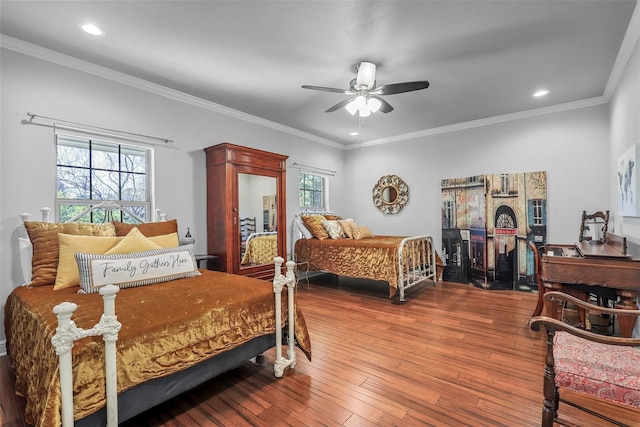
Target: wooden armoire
(240, 181)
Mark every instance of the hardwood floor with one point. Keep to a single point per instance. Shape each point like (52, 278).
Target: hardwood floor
(453, 355)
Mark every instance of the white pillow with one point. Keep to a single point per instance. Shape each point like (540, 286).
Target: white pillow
(334, 230)
(25, 253)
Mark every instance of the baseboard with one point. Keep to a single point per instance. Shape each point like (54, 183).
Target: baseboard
(3, 348)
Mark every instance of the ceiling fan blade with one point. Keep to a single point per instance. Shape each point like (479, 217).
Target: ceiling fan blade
(324, 89)
(339, 105)
(401, 87)
(385, 107)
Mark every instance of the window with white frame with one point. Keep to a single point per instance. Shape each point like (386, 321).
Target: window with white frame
(313, 192)
(90, 171)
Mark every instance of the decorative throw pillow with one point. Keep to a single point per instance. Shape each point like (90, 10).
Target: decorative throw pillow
(304, 230)
(149, 229)
(333, 229)
(314, 223)
(135, 269)
(331, 217)
(44, 238)
(134, 241)
(361, 232)
(68, 276)
(347, 226)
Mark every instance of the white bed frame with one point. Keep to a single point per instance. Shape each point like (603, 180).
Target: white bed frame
(416, 259)
(416, 262)
(108, 326)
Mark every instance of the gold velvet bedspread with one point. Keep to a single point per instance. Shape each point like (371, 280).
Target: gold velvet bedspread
(261, 250)
(371, 258)
(166, 327)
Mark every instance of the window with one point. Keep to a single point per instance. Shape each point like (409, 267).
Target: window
(312, 192)
(90, 171)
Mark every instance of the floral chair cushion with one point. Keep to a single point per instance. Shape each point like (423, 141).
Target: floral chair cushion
(605, 371)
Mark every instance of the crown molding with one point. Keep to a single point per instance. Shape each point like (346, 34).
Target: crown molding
(627, 46)
(20, 46)
(590, 102)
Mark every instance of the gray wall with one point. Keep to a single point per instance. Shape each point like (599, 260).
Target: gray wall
(571, 146)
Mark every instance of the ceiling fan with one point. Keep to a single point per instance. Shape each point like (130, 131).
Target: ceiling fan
(366, 94)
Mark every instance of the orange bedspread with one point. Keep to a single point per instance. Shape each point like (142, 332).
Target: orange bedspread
(371, 258)
(166, 327)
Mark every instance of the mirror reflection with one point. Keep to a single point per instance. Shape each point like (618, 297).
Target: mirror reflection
(257, 225)
(389, 194)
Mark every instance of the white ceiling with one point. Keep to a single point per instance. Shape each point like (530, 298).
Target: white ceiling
(484, 59)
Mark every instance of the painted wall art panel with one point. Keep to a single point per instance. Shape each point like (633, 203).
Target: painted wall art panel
(487, 224)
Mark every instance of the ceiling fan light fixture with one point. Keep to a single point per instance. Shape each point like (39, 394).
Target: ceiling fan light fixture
(374, 104)
(351, 107)
(366, 75)
(365, 111)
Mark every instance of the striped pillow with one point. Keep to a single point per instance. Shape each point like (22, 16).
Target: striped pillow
(135, 269)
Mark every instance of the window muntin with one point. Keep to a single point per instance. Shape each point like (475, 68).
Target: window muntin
(90, 171)
(312, 191)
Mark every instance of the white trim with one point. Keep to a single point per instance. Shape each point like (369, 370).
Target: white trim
(3, 348)
(626, 49)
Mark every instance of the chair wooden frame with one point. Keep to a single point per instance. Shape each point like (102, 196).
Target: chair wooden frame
(594, 217)
(551, 393)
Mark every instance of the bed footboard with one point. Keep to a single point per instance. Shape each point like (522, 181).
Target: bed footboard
(279, 282)
(67, 333)
(416, 262)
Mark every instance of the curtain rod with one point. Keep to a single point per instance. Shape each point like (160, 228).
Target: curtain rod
(313, 168)
(35, 116)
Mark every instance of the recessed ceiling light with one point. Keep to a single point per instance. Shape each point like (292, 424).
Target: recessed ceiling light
(91, 29)
(354, 134)
(541, 92)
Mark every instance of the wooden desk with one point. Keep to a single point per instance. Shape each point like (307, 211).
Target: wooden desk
(594, 264)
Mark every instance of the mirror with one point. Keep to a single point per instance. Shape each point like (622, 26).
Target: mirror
(390, 194)
(257, 219)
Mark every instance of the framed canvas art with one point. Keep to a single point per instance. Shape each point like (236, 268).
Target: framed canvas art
(628, 182)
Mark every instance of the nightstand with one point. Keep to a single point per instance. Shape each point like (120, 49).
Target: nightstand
(209, 261)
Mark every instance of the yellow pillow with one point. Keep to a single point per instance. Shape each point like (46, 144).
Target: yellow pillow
(70, 244)
(314, 224)
(170, 240)
(135, 241)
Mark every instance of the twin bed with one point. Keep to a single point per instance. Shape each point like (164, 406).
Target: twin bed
(353, 251)
(174, 334)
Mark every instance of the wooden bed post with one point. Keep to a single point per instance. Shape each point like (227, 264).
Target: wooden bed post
(279, 281)
(63, 339)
